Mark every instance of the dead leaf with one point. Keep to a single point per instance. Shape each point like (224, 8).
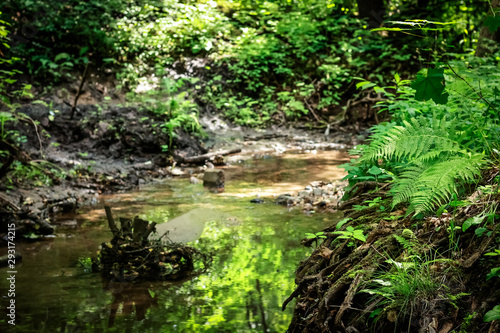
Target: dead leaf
(392, 316)
(326, 252)
(446, 327)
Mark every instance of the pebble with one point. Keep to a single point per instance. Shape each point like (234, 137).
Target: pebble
(317, 192)
(177, 172)
(316, 196)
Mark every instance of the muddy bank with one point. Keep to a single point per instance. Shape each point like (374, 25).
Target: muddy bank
(73, 160)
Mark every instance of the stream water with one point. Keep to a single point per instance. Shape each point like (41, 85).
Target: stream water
(255, 248)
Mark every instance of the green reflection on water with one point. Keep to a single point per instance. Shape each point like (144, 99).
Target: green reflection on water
(255, 252)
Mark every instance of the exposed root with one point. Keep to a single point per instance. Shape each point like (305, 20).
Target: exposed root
(337, 288)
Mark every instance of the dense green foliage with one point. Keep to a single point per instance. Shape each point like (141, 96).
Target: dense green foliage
(431, 149)
(262, 60)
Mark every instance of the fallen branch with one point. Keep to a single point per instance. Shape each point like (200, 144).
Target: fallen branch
(309, 107)
(204, 157)
(6, 202)
(264, 137)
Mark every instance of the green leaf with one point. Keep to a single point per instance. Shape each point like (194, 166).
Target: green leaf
(61, 56)
(389, 29)
(480, 231)
(493, 314)
(342, 222)
(496, 253)
(375, 171)
(472, 221)
(494, 272)
(365, 85)
(83, 50)
(358, 234)
(431, 86)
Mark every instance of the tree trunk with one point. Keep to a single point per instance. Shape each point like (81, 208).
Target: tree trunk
(486, 35)
(373, 10)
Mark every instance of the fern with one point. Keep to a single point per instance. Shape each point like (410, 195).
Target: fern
(427, 186)
(434, 162)
(416, 140)
(405, 185)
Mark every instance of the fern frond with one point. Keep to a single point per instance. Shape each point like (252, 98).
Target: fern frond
(436, 182)
(405, 185)
(420, 139)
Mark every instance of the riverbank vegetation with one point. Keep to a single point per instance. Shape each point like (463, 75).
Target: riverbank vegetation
(418, 247)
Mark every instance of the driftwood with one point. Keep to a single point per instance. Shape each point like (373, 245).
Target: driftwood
(264, 137)
(204, 157)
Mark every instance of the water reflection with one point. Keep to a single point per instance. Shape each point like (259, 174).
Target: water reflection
(255, 250)
(130, 300)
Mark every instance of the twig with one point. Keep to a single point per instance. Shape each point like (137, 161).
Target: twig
(28, 118)
(38, 136)
(79, 91)
(204, 157)
(312, 111)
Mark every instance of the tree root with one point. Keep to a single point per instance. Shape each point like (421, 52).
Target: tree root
(329, 281)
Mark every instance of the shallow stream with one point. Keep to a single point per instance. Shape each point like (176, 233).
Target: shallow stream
(255, 248)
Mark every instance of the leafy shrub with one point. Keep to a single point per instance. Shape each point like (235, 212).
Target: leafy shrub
(167, 101)
(430, 156)
(49, 36)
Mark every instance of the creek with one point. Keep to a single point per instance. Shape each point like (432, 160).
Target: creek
(255, 249)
